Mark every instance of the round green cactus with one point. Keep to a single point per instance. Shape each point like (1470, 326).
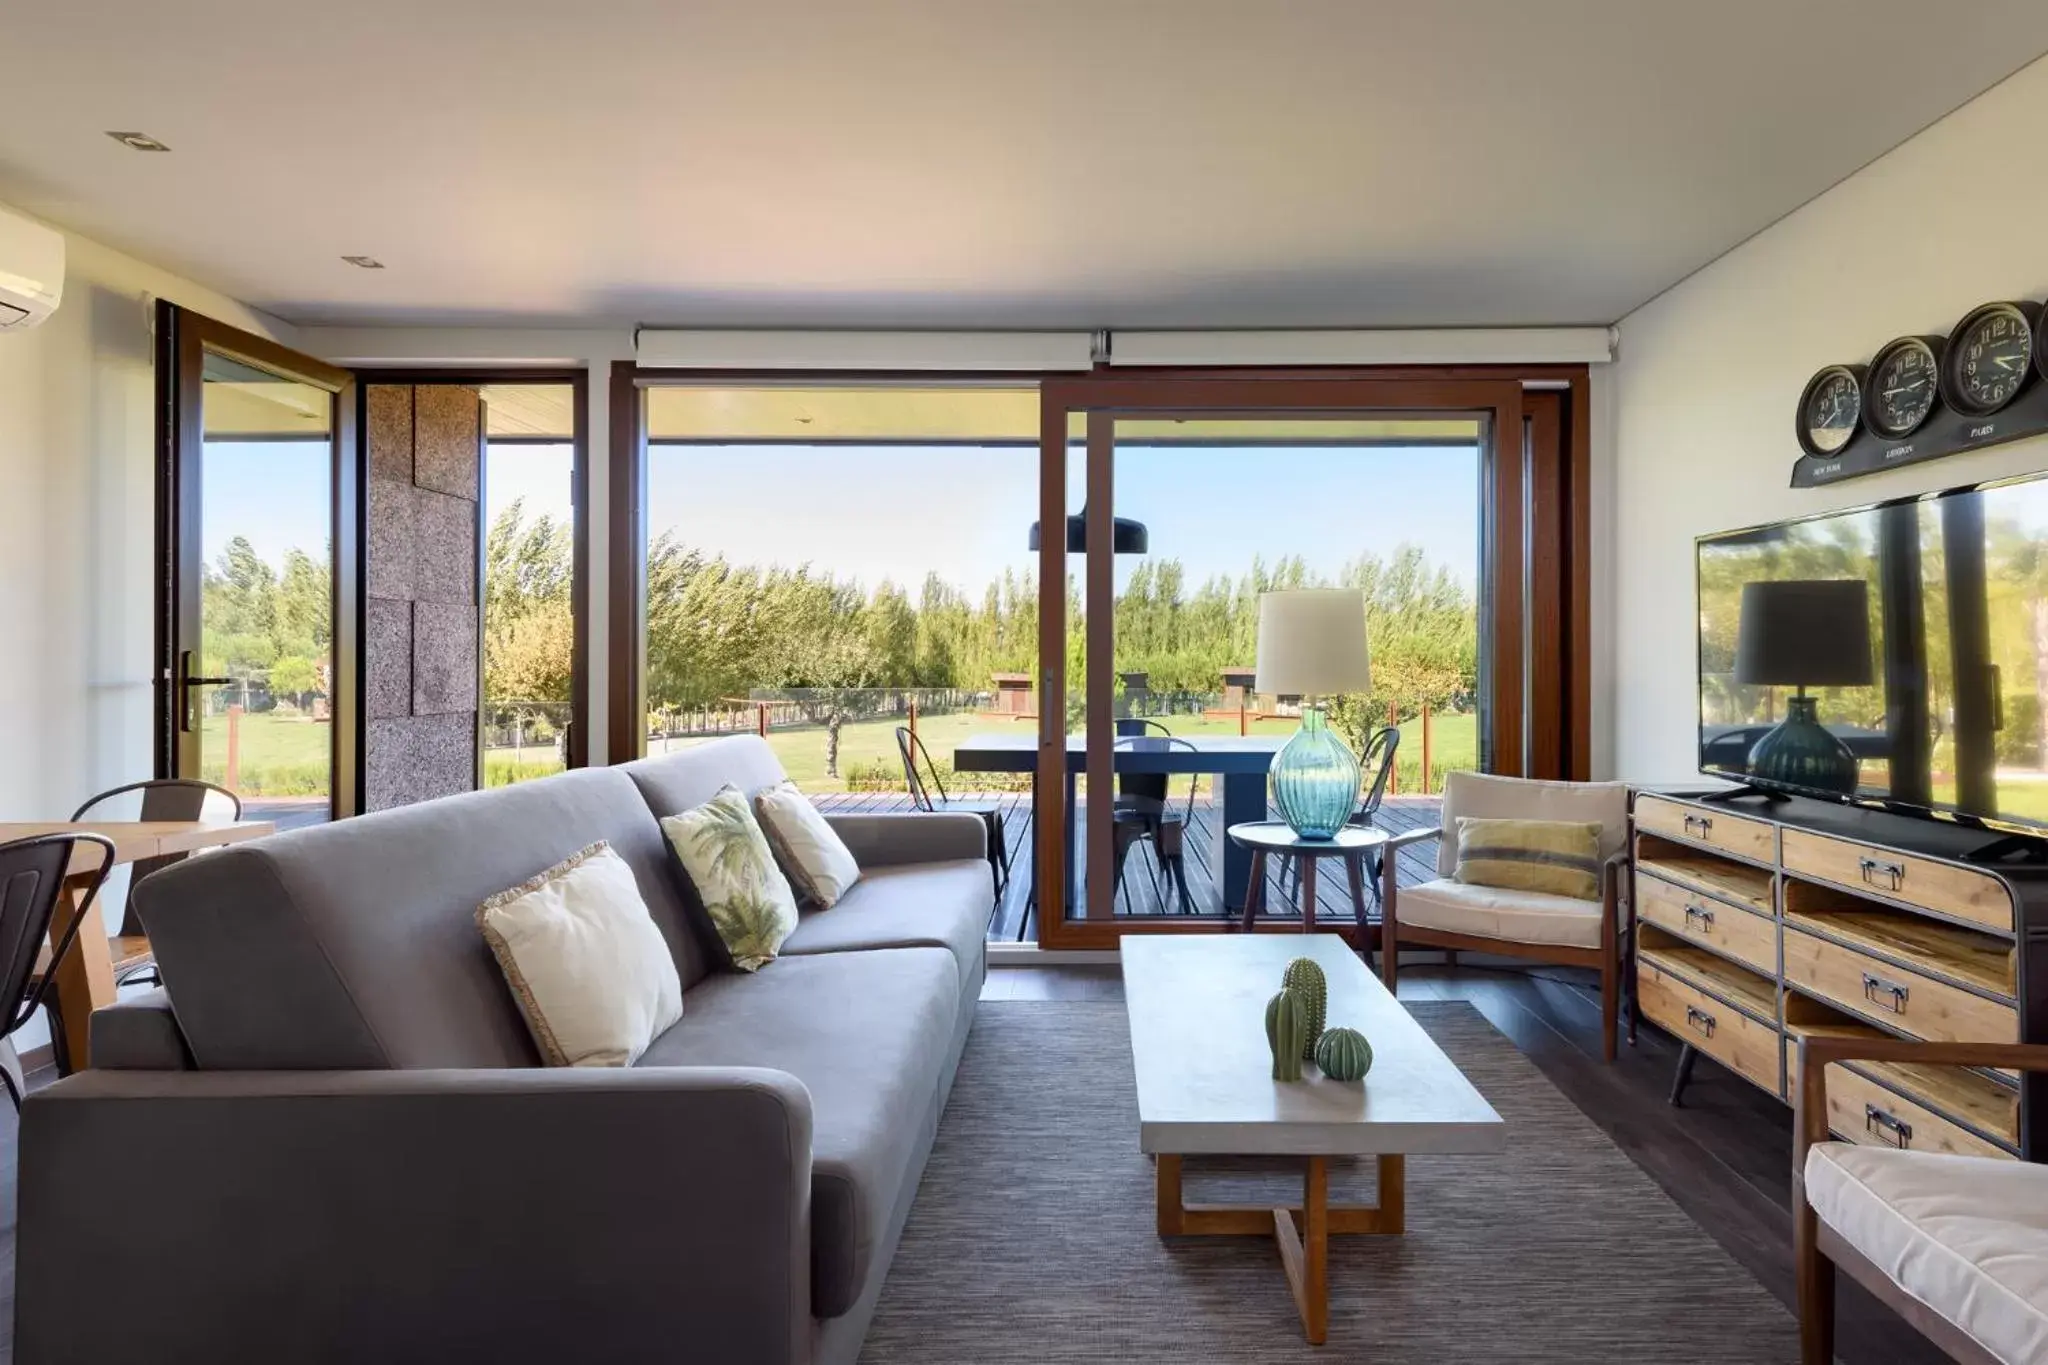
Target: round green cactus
(1304, 976)
(1286, 1024)
(1344, 1055)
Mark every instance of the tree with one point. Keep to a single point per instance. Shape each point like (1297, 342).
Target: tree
(294, 676)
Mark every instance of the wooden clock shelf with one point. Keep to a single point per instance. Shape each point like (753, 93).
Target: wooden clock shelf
(1759, 926)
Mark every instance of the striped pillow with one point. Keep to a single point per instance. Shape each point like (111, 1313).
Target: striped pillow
(1558, 857)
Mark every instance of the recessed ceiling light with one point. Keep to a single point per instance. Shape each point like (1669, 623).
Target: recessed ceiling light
(364, 262)
(138, 142)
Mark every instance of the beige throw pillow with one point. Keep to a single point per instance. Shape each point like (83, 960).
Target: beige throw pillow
(819, 864)
(591, 972)
(1558, 857)
(727, 856)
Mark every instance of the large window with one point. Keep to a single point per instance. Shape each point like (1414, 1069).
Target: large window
(529, 630)
(852, 570)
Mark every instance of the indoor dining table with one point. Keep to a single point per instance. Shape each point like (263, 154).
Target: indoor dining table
(1239, 762)
(85, 978)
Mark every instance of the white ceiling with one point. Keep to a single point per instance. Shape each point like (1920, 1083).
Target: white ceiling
(1016, 163)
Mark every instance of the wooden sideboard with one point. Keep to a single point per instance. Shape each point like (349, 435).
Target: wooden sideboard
(1759, 923)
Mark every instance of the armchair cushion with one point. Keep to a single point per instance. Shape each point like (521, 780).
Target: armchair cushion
(1965, 1235)
(1521, 798)
(1494, 912)
(1557, 857)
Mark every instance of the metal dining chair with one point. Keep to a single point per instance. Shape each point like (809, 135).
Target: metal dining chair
(1143, 818)
(928, 794)
(162, 798)
(1378, 759)
(32, 873)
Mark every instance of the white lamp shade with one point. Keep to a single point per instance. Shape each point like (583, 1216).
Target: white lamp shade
(1312, 642)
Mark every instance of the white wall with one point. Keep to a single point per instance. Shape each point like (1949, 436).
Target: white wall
(77, 530)
(78, 536)
(1708, 376)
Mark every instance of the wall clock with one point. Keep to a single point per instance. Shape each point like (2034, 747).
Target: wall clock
(1904, 381)
(1830, 410)
(1990, 358)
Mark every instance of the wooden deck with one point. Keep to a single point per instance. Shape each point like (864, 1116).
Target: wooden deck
(1145, 896)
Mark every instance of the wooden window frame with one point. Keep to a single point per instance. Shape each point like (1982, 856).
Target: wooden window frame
(183, 339)
(1533, 563)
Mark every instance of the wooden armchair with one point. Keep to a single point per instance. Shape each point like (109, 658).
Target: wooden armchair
(1449, 914)
(1956, 1245)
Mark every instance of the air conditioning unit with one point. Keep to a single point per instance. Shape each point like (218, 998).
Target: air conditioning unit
(31, 272)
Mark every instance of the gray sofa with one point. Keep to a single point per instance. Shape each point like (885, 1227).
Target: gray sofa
(329, 1138)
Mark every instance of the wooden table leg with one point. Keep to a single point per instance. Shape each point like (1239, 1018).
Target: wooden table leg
(1255, 889)
(85, 976)
(1307, 883)
(1393, 1205)
(1305, 1250)
(1167, 1178)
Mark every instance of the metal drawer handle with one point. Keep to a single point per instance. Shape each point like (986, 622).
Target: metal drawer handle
(1699, 826)
(1699, 1021)
(1875, 986)
(1893, 874)
(1699, 912)
(1887, 1128)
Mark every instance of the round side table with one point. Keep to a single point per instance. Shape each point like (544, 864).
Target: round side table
(1270, 838)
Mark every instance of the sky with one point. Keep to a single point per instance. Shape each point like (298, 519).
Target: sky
(875, 512)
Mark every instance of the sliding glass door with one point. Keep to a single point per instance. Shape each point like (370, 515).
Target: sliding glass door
(1190, 499)
(257, 679)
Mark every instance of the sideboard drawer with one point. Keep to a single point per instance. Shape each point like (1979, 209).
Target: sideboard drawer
(1748, 938)
(1968, 895)
(1863, 1111)
(1896, 996)
(1736, 834)
(1721, 1031)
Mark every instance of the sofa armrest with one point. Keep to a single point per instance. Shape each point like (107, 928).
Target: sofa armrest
(885, 838)
(139, 1033)
(556, 1214)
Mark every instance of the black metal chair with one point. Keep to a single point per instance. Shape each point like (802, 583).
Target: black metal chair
(928, 793)
(1378, 759)
(32, 874)
(1143, 817)
(161, 798)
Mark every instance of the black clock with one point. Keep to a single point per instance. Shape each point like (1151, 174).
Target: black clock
(1900, 389)
(1990, 358)
(1830, 407)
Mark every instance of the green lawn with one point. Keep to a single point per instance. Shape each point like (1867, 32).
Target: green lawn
(282, 754)
(865, 745)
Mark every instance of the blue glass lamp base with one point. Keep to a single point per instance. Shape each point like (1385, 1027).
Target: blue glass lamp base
(1315, 779)
(1801, 752)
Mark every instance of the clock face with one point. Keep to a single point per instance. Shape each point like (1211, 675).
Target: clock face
(1902, 386)
(1989, 358)
(1829, 410)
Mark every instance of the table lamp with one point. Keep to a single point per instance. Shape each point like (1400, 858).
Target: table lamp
(1312, 644)
(1804, 633)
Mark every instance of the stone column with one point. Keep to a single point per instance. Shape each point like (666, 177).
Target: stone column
(420, 638)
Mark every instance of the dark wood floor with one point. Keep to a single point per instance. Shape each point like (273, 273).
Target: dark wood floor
(1725, 1158)
(1146, 892)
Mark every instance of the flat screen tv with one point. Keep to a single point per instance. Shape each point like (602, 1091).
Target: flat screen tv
(1945, 600)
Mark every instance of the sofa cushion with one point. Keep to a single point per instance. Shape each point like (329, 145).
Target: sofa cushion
(868, 1035)
(354, 944)
(726, 858)
(1965, 1235)
(942, 905)
(586, 965)
(685, 780)
(1493, 912)
(819, 864)
(1493, 797)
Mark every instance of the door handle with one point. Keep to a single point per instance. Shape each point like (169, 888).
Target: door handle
(187, 685)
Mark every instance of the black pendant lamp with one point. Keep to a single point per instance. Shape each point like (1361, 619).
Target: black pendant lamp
(1128, 538)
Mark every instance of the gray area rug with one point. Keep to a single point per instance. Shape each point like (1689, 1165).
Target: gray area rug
(1032, 1238)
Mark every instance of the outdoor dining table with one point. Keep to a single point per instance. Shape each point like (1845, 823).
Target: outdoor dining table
(85, 978)
(1239, 762)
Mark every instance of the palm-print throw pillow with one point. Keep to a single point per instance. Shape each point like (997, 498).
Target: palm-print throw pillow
(721, 846)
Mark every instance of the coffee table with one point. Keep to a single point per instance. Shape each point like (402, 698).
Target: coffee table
(1198, 1045)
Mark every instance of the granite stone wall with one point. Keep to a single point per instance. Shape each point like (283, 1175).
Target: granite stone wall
(420, 638)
